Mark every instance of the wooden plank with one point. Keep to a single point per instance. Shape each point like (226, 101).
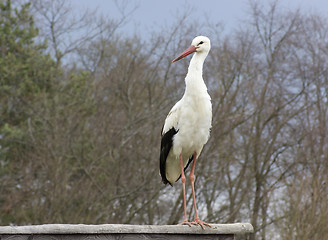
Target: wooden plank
(234, 228)
(118, 237)
(124, 232)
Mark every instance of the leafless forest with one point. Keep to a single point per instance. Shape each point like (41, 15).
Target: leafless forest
(82, 107)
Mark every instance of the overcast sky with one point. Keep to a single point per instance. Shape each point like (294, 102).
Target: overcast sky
(151, 13)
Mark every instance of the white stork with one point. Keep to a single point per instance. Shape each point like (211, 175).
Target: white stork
(187, 126)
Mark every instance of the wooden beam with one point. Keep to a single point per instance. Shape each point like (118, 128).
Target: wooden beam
(123, 231)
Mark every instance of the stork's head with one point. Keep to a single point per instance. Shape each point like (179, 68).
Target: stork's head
(200, 44)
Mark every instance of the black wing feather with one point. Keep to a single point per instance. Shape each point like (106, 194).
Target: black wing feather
(166, 145)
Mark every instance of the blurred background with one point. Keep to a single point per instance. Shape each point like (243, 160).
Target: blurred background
(85, 87)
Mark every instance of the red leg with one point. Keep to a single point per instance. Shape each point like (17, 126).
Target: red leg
(197, 221)
(183, 180)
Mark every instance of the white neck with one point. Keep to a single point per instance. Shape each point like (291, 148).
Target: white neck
(194, 79)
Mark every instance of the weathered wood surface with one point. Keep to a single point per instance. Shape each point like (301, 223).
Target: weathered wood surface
(123, 231)
(118, 237)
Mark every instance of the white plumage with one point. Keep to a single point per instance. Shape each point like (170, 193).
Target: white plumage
(187, 126)
(191, 116)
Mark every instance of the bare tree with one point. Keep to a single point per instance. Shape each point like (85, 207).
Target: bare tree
(305, 196)
(68, 33)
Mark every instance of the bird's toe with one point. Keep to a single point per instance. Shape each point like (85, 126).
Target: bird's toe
(197, 221)
(185, 222)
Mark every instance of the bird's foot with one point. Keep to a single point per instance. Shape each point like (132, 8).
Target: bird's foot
(197, 221)
(185, 222)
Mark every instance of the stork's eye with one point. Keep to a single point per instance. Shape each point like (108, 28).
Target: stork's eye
(201, 42)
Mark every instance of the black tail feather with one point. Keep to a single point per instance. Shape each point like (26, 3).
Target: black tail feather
(166, 145)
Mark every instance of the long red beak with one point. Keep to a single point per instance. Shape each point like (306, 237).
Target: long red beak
(185, 53)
